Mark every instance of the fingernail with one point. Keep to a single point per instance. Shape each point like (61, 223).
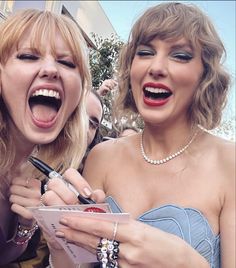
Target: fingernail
(63, 221)
(59, 234)
(87, 192)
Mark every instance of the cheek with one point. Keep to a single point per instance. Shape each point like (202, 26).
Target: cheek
(9, 91)
(138, 71)
(135, 71)
(193, 81)
(75, 92)
(15, 81)
(90, 135)
(188, 77)
(194, 73)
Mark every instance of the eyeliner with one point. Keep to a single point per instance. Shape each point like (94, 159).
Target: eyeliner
(51, 173)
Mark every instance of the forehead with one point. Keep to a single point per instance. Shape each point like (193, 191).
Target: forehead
(27, 40)
(177, 43)
(180, 41)
(93, 105)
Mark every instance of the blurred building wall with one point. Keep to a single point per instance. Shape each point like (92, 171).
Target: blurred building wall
(89, 15)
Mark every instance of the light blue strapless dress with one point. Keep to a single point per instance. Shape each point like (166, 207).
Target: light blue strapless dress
(187, 223)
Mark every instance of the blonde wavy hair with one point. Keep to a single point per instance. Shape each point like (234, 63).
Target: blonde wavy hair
(68, 148)
(175, 20)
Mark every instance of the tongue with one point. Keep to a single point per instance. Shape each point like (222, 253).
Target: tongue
(43, 113)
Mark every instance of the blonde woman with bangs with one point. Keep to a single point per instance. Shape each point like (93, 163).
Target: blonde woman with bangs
(44, 77)
(175, 179)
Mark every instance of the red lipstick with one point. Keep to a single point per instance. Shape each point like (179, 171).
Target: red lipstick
(154, 97)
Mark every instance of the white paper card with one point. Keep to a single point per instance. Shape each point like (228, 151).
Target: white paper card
(48, 217)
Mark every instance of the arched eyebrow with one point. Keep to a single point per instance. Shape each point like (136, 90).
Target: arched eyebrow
(174, 46)
(182, 46)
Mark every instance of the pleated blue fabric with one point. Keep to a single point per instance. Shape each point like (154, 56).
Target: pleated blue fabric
(187, 223)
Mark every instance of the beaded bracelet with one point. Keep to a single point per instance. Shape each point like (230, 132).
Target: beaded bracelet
(107, 253)
(24, 234)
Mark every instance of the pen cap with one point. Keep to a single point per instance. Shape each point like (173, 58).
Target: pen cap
(40, 165)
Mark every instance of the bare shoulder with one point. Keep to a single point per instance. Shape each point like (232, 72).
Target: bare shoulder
(108, 156)
(105, 149)
(224, 151)
(113, 148)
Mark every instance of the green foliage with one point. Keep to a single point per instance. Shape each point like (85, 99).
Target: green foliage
(103, 65)
(103, 60)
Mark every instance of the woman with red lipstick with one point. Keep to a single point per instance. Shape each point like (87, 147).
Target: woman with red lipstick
(44, 77)
(175, 179)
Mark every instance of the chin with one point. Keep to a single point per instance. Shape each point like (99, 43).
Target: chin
(43, 139)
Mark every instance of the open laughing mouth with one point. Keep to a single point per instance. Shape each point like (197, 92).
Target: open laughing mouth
(45, 104)
(156, 94)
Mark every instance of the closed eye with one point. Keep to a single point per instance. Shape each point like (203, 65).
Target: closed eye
(27, 56)
(67, 63)
(145, 52)
(183, 56)
(93, 123)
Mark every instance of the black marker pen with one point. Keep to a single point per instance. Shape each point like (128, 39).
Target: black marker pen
(51, 173)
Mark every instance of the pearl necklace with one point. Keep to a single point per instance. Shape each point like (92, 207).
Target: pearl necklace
(164, 160)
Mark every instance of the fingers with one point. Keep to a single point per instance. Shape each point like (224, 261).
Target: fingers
(98, 196)
(88, 241)
(25, 192)
(104, 89)
(57, 191)
(110, 83)
(22, 196)
(26, 182)
(87, 233)
(24, 201)
(22, 211)
(74, 177)
(103, 228)
(107, 85)
(113, 83)
(51, 198)
(89, 226)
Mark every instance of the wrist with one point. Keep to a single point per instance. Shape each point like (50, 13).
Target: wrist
(24, 234)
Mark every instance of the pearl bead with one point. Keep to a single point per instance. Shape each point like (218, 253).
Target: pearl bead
(168, 158)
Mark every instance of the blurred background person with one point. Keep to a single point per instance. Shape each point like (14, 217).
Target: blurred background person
(94, 108)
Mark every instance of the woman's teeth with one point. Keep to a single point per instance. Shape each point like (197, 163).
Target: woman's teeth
(47, 93)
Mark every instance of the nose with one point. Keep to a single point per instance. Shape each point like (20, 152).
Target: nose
(158, 67)
(49, 69)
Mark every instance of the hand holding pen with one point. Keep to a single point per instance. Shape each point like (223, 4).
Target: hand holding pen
(63, 186)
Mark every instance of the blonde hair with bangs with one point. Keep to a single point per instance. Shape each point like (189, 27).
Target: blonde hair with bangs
(173, 21)
(68, 149)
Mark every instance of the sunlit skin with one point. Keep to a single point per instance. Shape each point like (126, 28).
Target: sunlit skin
(175, 64)
(201, 178)
(164, 77)
(26, 70)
